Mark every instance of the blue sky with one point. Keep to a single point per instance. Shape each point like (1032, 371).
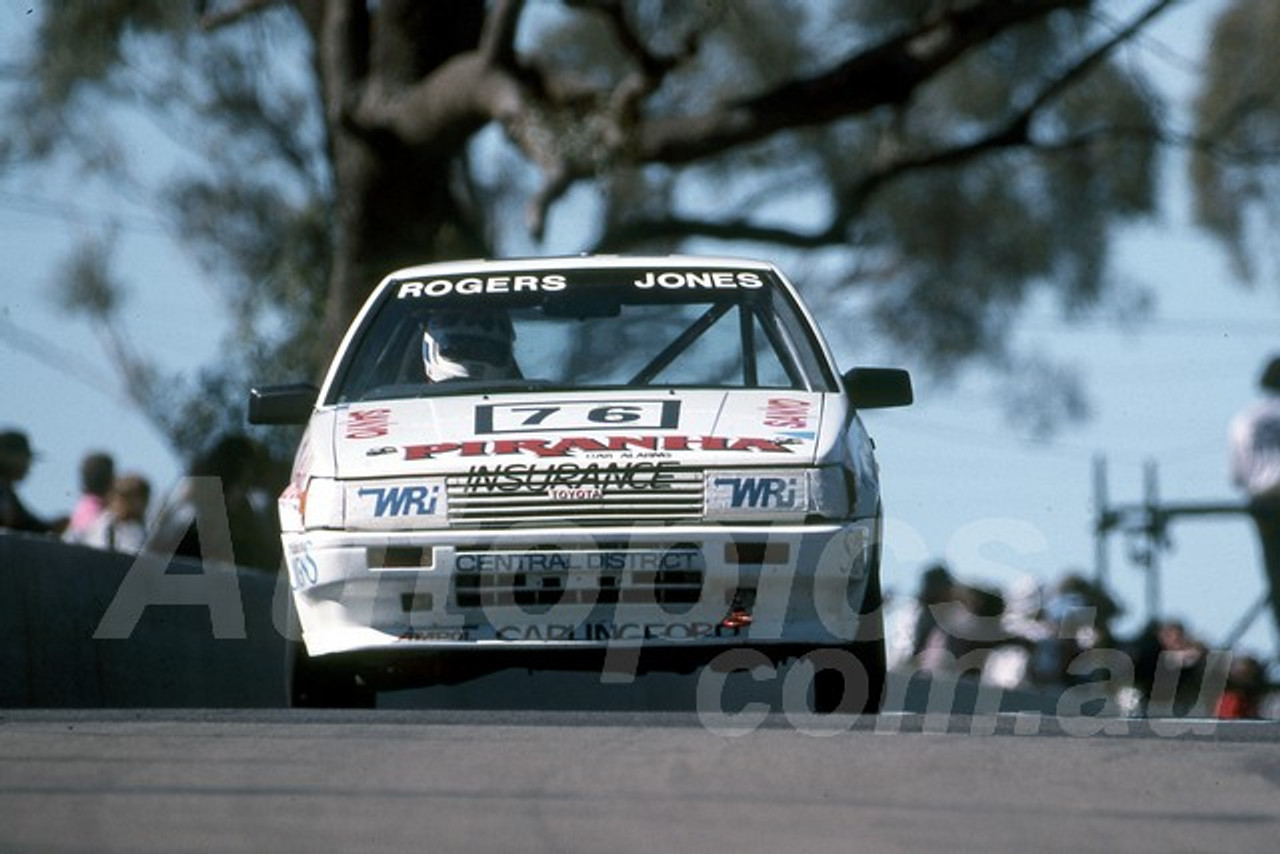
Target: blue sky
(960, 484)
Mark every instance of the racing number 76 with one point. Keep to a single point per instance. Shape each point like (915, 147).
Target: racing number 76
(610, 414)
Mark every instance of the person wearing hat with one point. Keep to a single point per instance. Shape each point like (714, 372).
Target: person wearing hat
(15, 462)
(1255, 468)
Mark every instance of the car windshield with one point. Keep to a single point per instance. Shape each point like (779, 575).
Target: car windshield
(581, 329)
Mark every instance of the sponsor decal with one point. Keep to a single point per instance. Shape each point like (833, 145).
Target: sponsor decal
(671, 560)
(796, 437)
(549, 448)
(601, 631)
(575, 493)
(303, 570)
(756, 492)
(711, 279)
(381, 452)
(446, 633)
(787, 413)
(577, 415)
(566, 478)
(368, 423)
(398, 502)
(790, 417)
(474, 285)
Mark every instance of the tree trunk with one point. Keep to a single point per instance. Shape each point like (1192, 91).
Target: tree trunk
(394, 205)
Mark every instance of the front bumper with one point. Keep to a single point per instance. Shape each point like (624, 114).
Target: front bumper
(659, 587)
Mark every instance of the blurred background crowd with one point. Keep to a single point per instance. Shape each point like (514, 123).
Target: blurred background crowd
(1046, 637)
(114, 510)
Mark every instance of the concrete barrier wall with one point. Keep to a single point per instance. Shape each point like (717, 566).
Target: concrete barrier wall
(82, 627)
(85, 628)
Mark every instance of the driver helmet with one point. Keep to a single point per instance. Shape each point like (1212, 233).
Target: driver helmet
(468, 345)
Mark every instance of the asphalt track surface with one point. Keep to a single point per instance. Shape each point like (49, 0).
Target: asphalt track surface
(563, 781)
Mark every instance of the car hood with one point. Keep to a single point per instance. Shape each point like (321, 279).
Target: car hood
(695, 428)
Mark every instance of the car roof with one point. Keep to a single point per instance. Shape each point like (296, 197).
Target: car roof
(571, 262)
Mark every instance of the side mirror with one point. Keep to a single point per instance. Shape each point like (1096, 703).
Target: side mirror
(877, 388)
(282, 404)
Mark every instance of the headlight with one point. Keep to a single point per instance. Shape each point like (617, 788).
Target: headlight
(783, 494)
(831, 492)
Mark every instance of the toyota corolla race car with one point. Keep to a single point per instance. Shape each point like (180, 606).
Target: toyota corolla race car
(644, 463)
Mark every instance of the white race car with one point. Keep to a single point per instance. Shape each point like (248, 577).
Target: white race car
(618, 462)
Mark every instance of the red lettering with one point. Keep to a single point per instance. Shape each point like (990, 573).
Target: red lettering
(582, 444)
(368, 424)
(426, 452)
(787, 412)
(506, 447)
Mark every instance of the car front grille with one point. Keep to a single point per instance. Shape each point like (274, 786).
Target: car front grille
(581, 496)
(608, 575)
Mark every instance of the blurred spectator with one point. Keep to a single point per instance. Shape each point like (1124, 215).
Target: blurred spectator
(1024, 627)
(956, 625)
(936, 588)
(1181, 668)
(1169, 668)
(15, 461)
(122, 525)
(1246, 686)
(1025, 636)
(1255, 468)
(1078, 616)
(1144, 650)
(232, 468)
(97, 471)
(1023, 617)
(974, 623)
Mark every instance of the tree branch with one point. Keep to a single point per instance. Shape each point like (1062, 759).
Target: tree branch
(651, 70)
(617, 116)
(210, 21)
(738, 229)
(1095, 57)
(341, 32)
(883, 75)
(498, 39)
(436, 114)
(1012, 133)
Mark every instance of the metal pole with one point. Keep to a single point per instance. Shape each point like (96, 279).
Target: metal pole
(1246, 622)
(1146, 525)
(1102, 529)
(1155, 534)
